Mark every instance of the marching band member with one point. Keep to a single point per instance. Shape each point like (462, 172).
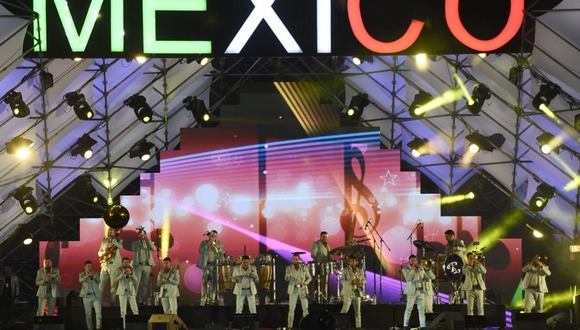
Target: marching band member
(320, 252)
(474, 285)
(245, 276)
(454, 245)
(534, 284)
(211, 251)
(127, 288)
(429, 292)
(353, 282)
(110, 257)
(48, 279)
(298, 277)
(142, 262)
(415, 277)
(91, 295)
(167, 281)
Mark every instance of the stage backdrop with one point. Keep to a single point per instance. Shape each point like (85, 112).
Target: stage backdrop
(267, 196)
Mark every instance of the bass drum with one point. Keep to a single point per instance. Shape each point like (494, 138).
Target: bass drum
(454, 267)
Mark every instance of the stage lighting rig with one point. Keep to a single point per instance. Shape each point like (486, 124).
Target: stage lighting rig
(357, 106)
(17, 105)
(548, 143)
(421, 98)
(542, 100)
(419, 147)
(83, 146)
(141, 149)
(479, 94)
(139, 104)
(85, 185)
(19, 146)
(199, 111)
(26, 199)
(539, 200)
(80, 106)
(479, 142)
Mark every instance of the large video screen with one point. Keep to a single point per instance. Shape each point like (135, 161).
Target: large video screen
(273, 197)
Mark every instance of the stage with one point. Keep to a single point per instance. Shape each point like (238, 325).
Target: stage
(275, 315)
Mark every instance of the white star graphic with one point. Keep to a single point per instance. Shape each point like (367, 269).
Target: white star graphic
(389, 178)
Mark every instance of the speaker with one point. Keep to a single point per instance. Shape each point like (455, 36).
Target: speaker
(244, 321)
(529, 321)
(113, 323)
(48, 323)
(137, 322)
(452, 320)
(475, 321)
(332, 320)
(165, 322)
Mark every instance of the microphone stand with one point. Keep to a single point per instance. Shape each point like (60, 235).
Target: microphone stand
(410, 238)
(382, 241)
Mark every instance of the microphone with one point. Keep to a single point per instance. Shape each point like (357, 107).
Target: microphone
(420, 224)
(367, 224)
(206, 233)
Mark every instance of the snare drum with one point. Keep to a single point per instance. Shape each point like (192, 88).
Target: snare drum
(454, 267)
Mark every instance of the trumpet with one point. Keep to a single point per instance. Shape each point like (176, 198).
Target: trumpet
(426, 263)
(128, 271)
(541, 259)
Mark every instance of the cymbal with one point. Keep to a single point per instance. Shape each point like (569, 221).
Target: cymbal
(358, 241)
(423, 245)
(343, 250)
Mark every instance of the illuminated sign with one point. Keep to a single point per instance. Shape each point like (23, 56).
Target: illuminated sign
(123, 28)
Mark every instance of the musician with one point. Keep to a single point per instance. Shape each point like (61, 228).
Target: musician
(245, 276)
(474, 285)
(9, 292)
(110, 257)
(429, 291)
(298, 277)
(320, 252)
(143, 262)
(454, 245)
(210, 251)
(127, 288)
(167, 281)
(353, 283)
(48, 279)
(534, 284)
(91, 295)
(415, 277)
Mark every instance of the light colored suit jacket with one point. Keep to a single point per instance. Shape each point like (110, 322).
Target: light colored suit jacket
(542, 273)
(348, 275)
(239, 273)
(116, 258)
(413, 279)
(170, 286)
(126, 283)
(42, 286)
(319, 252)
(14, 285)
(205, 250)
(90, 285)
(459, 244)
(136, 246)
(429, 277)
(469, 271)
(292, 276)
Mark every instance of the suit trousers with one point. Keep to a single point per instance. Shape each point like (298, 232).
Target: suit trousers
(240, 298)
(42, 301)
(90, 302)
(142, 272)
(293, 299)
(420, 298)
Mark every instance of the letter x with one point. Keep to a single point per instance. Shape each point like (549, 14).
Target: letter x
(263, 11)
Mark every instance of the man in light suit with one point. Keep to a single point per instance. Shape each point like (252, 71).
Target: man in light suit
(454, 245)
(110, 257)
(9, 292)
(210, 253)
(429, 292)
(167, 281)
(534, 284)
(143, 261)
(48, 279)
(91, 295)
(353, 283)
(127, 288)
(320, 253)
(245, 276)
(298, 277)
(474, 285)
(415, 278)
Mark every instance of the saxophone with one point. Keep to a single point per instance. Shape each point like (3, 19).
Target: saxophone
(109, 252)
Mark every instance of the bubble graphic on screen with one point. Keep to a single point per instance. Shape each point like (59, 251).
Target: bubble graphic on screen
(207, 195)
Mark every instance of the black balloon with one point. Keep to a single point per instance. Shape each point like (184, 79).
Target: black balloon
(116, 216)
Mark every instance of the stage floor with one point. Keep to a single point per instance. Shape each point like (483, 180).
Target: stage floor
(275, 316)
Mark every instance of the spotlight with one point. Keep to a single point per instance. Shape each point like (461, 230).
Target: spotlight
(19, 108)
(27, 201)
(535, 232)
(421, 99)
(548, 143)
(479, 95)
(487, 143)
(542, 100)
(540, 198)
(19, 146)
(419, 147)
(199, 111)
(83, 146)
(80, 106)
(139, 104)
(357, 105)
(85, 185)
(141, 149)
(27, 240)
(358, 60)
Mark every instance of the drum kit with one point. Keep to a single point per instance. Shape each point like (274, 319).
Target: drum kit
(265, 267)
